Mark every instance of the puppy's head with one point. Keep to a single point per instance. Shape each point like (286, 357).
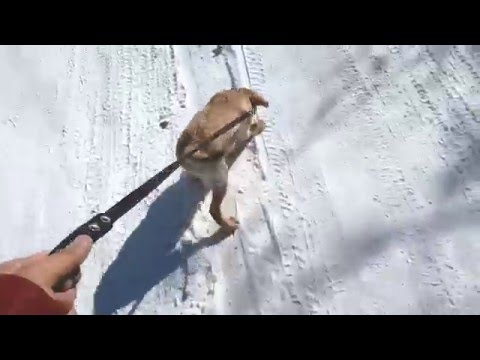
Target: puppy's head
(255, 98)
(243, 97)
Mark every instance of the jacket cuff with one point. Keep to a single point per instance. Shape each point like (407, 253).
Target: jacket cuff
(20, 296)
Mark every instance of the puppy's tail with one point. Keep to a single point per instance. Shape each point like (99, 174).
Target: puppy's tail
(255, 98)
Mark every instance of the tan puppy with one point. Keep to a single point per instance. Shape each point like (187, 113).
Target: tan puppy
(211, 164)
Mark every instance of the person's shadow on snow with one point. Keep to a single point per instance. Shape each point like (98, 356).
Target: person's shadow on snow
(149, 255)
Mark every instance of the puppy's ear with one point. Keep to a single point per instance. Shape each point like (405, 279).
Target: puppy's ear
(255, 98)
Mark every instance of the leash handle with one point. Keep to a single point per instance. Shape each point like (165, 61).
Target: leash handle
(101, 224)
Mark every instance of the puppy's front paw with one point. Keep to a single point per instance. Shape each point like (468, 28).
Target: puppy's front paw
(231, 224)
(257, 128)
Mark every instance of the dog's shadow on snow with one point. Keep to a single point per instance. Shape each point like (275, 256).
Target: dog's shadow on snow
(150, 254)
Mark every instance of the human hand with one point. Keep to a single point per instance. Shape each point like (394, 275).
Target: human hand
(57, 274)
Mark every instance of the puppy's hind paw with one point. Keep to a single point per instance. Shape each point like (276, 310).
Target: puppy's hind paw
(230, 225)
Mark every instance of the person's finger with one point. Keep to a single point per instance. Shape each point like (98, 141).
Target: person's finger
(66, 299)
(67, 262)
(59, 266)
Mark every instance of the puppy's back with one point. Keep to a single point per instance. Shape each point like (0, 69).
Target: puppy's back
(223, 108)
(199, 129)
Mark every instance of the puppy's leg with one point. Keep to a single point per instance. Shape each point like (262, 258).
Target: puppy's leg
(234, 152)
(194, 179)
(229, 224)
(219, 190)
(257, 128)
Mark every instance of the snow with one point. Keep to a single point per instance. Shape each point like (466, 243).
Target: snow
(362, 196)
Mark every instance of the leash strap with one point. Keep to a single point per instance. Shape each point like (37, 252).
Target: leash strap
(102, 223)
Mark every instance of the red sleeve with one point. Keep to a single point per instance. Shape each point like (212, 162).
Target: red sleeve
(20, 296)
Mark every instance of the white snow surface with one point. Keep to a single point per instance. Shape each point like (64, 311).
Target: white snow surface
(362, 196)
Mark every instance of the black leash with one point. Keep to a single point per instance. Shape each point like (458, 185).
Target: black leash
(101, 224)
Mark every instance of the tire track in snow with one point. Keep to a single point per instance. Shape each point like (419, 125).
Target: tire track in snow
(402, 197)
(432, 262)
(273, 152)
(126, 147)
(198, 281)
(235, 262)
(415, 203)
(361, 98)
(100, 159)
(296, 242)
(453, 133)
(322, 280)
(247, 163)
(435, 267)
(413, 200)
(457, 139)
(269, 155)
(99, 162)
(211, 266)
(154, 99)
(467, 63)
(399, 196)
(451, 90)
(273, 155)
(95, 176)
(326, 280)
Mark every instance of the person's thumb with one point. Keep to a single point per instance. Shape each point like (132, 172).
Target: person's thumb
(60, 265)
(77, 251)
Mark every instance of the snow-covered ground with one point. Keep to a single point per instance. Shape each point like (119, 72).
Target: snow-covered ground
(361, 197)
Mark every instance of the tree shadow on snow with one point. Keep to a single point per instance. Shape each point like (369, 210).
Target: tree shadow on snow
(150, 255)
